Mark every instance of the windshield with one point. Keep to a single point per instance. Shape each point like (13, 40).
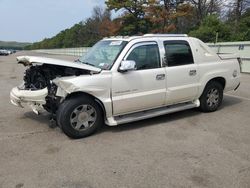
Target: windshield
(104, 53)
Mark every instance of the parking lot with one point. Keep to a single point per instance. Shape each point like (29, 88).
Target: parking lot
(184, 149)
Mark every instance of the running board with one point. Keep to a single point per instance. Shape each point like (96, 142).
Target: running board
(155, 112)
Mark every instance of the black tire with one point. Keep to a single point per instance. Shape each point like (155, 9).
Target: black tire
(208, 104)
(66, 114)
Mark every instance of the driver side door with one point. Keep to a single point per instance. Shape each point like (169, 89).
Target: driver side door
(143, 88)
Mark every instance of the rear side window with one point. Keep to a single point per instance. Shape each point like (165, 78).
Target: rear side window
(178, 53)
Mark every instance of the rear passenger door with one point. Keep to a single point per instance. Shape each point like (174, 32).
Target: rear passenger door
(182, 72)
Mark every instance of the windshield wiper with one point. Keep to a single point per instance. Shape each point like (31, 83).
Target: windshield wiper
(86, 63)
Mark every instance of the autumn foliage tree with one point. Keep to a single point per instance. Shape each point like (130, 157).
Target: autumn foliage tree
(160, 17)
(199, 18)
(104, 25)
(165, 15)
(154, 16)
(133, 20)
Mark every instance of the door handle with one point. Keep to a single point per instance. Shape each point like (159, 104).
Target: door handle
(192, 72)
(160, 77)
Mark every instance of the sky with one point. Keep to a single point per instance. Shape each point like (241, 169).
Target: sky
(34, 20)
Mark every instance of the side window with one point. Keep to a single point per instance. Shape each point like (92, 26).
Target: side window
(178, 53)
(145, 56)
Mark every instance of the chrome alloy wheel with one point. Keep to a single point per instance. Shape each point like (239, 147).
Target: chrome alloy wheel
(83, 117)
(213, 97)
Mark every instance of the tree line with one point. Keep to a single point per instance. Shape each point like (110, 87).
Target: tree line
(209, 20)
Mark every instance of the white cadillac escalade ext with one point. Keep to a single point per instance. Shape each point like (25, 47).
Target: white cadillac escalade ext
(126, 79)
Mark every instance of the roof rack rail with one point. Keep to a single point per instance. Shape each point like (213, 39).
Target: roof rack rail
(165, 35)
(117, 37)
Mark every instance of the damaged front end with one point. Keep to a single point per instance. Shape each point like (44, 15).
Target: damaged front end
(38, 89)
(35, 99)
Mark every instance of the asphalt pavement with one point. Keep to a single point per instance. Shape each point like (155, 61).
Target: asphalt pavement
(184, 149)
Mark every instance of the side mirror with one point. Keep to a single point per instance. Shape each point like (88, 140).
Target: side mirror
(127, 65)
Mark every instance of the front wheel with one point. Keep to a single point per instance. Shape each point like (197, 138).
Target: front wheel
(79, 116)
(211, 97)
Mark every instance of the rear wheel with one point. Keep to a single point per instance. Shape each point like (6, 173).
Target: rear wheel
(79, 117)
(211, 97)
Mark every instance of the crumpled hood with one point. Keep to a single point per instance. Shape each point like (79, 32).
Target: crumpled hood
(30, 60)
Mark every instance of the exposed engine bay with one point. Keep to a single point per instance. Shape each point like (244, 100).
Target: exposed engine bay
(40, 76)
(40, 88)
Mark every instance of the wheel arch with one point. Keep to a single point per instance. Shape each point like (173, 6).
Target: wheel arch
(81, 93)
(218, 79)
(204, 106)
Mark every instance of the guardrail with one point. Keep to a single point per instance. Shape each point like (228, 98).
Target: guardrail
(65, 51)
(242, 49)
(245, 66)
